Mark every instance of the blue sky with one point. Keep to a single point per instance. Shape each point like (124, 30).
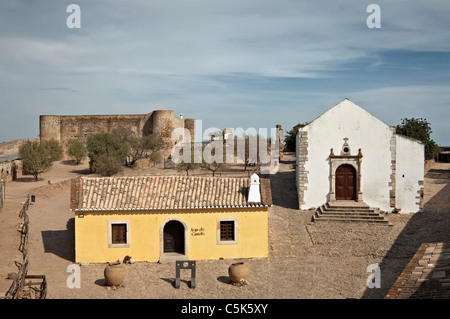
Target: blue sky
(229, 63)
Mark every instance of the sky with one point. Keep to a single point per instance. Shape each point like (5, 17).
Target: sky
(230, 63)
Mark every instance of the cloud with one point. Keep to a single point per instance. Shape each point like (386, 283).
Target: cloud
(209, 58)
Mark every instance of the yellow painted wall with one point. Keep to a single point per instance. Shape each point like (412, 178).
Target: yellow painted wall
(91, 234)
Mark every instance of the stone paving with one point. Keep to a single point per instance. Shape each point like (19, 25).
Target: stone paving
(426, 276)
(306, 260)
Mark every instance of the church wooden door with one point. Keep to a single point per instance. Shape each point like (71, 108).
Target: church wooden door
(345, 182)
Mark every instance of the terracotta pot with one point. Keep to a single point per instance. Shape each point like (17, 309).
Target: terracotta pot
(238, 272)
(115, 274)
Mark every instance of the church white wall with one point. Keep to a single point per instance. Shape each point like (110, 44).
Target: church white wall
(363, 131)
(409, 174)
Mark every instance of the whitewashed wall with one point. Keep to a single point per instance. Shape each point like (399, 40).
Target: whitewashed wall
(409, 174)
(364, 131)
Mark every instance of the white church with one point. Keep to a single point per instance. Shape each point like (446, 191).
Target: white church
(347, 155)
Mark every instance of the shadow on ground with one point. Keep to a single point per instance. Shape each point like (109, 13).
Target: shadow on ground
(61, 242)
(430, 226)
(286, 180)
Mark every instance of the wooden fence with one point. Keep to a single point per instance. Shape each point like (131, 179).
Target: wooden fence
(2, 193)
(26, 286)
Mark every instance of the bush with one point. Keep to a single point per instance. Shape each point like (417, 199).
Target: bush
(105, 144)
(54, 149)
(155, 158)
(420, 129)
(107, 165)
(35, 158)
(77, 151)
(290, 138)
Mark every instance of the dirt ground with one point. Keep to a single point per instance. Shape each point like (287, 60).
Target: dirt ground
(306, 260)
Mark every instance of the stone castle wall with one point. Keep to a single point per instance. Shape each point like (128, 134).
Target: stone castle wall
(70, 128)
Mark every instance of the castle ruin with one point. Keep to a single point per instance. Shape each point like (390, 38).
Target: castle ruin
(67, 129)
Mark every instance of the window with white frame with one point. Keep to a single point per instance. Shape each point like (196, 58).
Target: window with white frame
(118, 233)
(227, 231)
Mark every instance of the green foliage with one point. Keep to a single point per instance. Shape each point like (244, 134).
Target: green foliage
(289, 139)
(138, 146)
(107, 165)
(35, 158)
(77, 151)
(105, 144)
(54, 149)
(419, 129)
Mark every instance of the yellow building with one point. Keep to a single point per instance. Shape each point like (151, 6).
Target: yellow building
(166, 218)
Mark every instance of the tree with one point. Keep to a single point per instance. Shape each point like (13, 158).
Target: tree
(54, 149)
(211, 162)
(77, 151)
(105, 143)
(419, 129)
(138, 146)
(35, 158)
(123, 133)
(289, 140)
(188, 165)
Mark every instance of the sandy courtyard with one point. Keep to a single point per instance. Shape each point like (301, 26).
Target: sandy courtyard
(306, 260)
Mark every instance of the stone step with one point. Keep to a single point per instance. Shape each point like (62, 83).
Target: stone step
(363, 216)
(348, 212)
(351, 209)
(337, 219)
(348, 208)
(343, 213)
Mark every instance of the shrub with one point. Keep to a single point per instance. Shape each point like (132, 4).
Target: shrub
(35, 158)
(77, 151)
(419, 129)
(105, 143)
(155, 158)
(290, 138)
(107, 165)
(54, 149)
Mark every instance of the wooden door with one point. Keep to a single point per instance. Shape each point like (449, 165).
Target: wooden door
(345, 182)
(174, 237)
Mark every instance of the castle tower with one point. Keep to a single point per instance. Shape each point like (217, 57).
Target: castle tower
(163, 123)
(50, 127)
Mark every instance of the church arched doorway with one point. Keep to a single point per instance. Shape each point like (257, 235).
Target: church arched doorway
(345, 182)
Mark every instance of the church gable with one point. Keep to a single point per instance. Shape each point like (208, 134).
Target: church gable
(346, 113)
(348, 145)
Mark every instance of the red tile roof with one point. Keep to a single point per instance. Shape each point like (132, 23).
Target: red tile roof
(163, 192)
